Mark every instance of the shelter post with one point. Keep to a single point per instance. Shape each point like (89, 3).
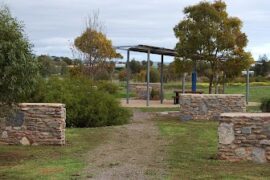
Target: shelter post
(247, 87)
(148, 77)
(194, 78)
(128, 75)
(161, 80)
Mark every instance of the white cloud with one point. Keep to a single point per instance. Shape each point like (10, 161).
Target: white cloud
(52, 24)
(260, 50)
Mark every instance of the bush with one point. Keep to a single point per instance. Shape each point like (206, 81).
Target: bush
(154, 76)
(122, 76)
(107, 86)
(155, 94)
(102, 74)
(265, 106)
(86, 106)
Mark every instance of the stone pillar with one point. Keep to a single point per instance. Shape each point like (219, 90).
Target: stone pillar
(244, 136)
(35, 124)
(209, 106)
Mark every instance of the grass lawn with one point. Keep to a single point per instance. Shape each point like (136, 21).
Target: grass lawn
(258, 90)
(47, 162)
(257, 93)
(192, 153)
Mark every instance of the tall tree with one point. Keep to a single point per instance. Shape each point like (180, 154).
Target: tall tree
(18, 69)
(183, 66)
(94, 47)
(208, 33)
(262, 67)
(135, 66)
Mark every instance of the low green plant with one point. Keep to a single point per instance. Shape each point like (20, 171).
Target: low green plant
(155, 95)
(107, 86)
(265, 106)
(86, 105)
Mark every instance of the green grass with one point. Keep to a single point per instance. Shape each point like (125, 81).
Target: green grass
(50, 162)
(257, 93)
(192, 153)
(258, 90)
(253, 109)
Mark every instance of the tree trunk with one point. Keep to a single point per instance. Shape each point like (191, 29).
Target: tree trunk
(211, 83)
(216, 84)
(223, 84)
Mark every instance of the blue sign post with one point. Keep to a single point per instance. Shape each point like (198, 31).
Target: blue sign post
(194, 81)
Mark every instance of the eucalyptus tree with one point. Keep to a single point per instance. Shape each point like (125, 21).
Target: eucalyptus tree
(94, 48)
(208, 33)
(18, 68)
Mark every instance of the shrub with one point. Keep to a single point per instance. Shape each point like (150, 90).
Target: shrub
(155, 94)
(154, 75)
(265, 106)
(86, 106)
(107, 86)
(122, 75)
(102, 74)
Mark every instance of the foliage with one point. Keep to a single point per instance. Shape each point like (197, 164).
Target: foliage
(107, 87)
(52, 65)
(135, 66)
(141, 76)
(154, 75)
(76, 71)
(169, 72)
(265, 106)
(183, 66)
(262, 67)
(101, 74)
(208, 33)
(18, 69)
(155, 94)
(122, 75)
(144, 64)
(86, 106)
(94, 47)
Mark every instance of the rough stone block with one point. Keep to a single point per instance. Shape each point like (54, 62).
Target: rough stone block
(258, 155)
(185, 117)
(42, 123)
(226, 133)
(246, 130)
(251, 142)
(209, 106)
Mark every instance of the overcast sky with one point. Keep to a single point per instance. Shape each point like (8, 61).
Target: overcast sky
(52, 25)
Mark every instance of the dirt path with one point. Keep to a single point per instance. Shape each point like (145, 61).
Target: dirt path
(134, 151)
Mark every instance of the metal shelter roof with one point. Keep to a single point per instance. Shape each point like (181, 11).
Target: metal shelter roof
(152, 49)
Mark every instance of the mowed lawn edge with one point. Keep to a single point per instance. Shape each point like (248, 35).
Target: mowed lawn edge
(51, 162)
(192, 153)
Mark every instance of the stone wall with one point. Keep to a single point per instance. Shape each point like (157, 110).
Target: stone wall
(244, 136)
(132, 86)
(35, 124)
(141, 92)
(209, 106)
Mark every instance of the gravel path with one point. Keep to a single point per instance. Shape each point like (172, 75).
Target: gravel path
(134, 151)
